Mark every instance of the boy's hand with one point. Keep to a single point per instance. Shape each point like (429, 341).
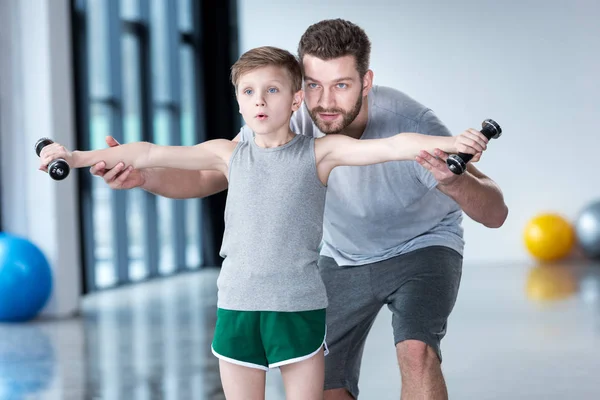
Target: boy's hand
(53, 152)
(471, 141)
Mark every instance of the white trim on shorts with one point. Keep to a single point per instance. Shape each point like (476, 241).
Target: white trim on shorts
(275, 365)
(302, 358)
(237, 362)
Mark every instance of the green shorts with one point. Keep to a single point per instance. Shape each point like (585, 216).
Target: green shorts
(268, 339)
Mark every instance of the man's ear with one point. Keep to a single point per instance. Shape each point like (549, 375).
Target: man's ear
(298, 98)
(367, 82)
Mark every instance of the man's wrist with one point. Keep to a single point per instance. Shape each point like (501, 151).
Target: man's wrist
(146, 177)
(456, 183)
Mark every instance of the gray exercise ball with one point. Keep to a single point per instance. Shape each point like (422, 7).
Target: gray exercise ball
(587, 228)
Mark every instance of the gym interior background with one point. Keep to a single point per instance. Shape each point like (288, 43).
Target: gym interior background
(130, 313)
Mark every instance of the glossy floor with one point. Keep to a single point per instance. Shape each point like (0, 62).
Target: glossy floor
(152, 341)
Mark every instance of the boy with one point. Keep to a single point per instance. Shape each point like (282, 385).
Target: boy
(271, 304)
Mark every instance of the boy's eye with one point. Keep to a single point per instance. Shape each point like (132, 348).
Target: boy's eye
(248, 91)
(273, 90)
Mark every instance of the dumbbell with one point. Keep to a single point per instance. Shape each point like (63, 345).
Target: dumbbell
(457, 163)
(57, 169)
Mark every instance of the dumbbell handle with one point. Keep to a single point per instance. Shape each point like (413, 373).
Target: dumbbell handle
(457, 163)
(57, 169)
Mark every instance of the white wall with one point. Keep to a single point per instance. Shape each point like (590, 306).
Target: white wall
(531, 65)
(36, 101)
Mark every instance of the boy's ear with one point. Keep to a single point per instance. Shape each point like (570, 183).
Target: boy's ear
(298, 97)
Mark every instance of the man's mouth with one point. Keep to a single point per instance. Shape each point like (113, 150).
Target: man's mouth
(328, 117)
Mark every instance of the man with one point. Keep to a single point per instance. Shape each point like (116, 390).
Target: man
(396, 244)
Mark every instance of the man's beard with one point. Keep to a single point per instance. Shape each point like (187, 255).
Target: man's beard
(335, 126)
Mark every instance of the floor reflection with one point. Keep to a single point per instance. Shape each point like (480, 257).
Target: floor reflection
(27, 361)
(548, 282)
(150, 341)
(517, 331)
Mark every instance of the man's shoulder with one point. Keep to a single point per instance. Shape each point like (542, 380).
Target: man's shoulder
(392, 107)
(395, 103)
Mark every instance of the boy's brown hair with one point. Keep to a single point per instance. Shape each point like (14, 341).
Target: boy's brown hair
(334, 38)
(264, 57)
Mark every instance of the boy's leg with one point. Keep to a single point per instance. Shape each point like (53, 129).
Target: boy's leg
(242, 360)
(350, 315)
(241, 382)
(304, 380)
(295, 342)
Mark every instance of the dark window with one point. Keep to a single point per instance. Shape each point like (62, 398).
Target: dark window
(143, 71)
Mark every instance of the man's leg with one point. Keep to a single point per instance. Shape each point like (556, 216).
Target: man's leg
(421, 371)
(351, 312)
(420, 288)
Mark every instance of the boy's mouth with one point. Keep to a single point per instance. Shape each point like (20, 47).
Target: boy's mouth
(261, 116)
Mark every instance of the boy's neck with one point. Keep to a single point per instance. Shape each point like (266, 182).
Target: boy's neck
(274, 139)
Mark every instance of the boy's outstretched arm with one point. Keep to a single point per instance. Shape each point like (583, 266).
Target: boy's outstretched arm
(338, 150)
(210, 155)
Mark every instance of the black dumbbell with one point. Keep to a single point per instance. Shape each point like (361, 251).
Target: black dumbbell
(457, 163)
(57, 169)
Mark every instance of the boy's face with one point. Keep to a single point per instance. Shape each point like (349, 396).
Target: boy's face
(334, 91)
(266, 99)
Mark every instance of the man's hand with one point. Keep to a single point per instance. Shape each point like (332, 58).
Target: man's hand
(470, 141)
(119, 177)
(436, 164)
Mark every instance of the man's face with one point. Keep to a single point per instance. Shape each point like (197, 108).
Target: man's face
(333, 92)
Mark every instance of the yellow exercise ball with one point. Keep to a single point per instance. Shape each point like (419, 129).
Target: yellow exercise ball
(549, 237)
(550, 282)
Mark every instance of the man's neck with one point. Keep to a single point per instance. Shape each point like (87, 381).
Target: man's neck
(357, 127)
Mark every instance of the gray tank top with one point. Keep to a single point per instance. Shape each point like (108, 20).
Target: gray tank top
(273, 228)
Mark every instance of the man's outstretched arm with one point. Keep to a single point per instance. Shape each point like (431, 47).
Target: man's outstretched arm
(183, 184)
(166, 182)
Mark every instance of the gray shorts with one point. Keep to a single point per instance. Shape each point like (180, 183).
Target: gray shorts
(420, 288)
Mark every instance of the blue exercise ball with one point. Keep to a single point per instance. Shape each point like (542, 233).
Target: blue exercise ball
(25, 279)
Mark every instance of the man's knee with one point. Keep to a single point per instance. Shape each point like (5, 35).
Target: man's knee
(416, 356)
(337, 394)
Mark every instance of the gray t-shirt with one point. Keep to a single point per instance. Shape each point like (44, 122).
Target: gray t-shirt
(376, 212)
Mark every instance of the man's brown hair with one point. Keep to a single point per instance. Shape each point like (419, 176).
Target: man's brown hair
(264, 57)
(334, 38)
